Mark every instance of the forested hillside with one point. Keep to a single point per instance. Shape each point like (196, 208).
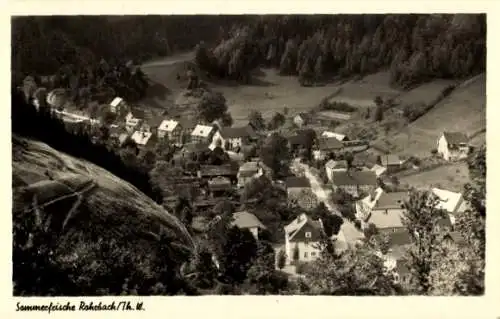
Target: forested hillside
(42, 44)
(415, 48)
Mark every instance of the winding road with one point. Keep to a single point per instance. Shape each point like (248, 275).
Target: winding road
(348, 234)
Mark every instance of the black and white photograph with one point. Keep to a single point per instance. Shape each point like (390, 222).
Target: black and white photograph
(248, 154)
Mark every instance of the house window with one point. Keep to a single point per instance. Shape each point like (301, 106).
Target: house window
(313, 254)
(305, 254)
(308, 234)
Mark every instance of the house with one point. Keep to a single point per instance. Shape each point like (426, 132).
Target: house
(453, 203)
(355, 146)
(143, 139)
(453, 145)
(354, 182)
(202, 133)
(246, 220)
(211, 171)
(335, 166)
(231, 138)
(219, 185)
(338, 136)
(302, 239)
(325, 146)
(392, 162)
(172, 130)
(191, 150)
(133, 120)
(250, 170)
(117, 105)
(301, 119)
(387, 216)
(296, 184)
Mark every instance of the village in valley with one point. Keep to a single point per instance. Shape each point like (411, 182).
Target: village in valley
(286, 168)
(324, 166)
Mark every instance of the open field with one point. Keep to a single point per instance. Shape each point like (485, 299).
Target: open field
(464, 110)
(451, 177)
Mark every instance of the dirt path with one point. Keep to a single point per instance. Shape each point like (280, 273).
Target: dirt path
(348, 234)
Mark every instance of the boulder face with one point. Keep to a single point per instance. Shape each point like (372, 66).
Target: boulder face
(79, 230)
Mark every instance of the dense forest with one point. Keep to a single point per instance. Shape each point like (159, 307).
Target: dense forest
(414, 47)
(41, 45)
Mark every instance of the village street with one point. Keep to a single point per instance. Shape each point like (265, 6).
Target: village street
(348, 234)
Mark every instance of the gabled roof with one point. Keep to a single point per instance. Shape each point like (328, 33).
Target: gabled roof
(168, 125)
(141, 138)
(117, 100)
(296, 225)
(393, 200)
(297, 182)
(338, 136)
(391, 159)
(219, 183)
(245, 219)
(202, 130)
(329, 143)
(386, 219)
(236, 132)
(455, 137)
(331, 164)
(354, 178)
(449, 201)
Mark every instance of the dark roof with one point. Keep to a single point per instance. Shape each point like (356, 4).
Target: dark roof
(138, 113)
(456, 237)
(390, 159)
(216, 170)
(455, 137)
(186, 122)
(400, 238)
(236, 132)
(354, 178)
(329, 143)
(391, 200)
(297, 182)
(155, 121)
(196, 147)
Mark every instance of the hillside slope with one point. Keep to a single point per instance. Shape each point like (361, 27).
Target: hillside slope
(79, 230)
(463, 111)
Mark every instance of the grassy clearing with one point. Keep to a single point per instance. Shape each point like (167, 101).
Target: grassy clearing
(451, 177)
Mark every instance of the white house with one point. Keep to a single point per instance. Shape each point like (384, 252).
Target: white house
(143, 139)
(170, 129)
(365, 205)
(133, 119)
(378, 170)
(302, 239)
(246, 220)
(338, 136)
(117, 104)
(202, 134)
(453, 145)
(231, 138)
(451, 202)
(301, 119)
